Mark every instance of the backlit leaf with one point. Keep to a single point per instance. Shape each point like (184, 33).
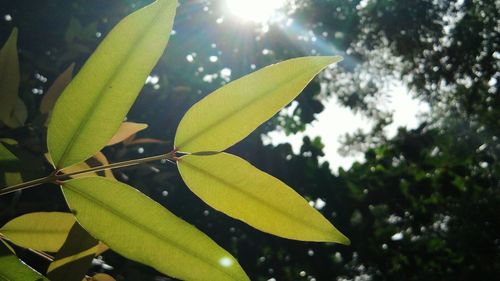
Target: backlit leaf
(140, 229)
(49, 99)
(102, 277)
(12, 269)
(235, 187)
(9, 76)
(75, 257)
(126, 130)
(101, 160)
(99, 156)
(44, 231)
(7, 158)
(94, 104)
(101, 248)
(78, 167)
(232, 112)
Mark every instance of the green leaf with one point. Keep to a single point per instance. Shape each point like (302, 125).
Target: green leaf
(12, 178)
(50, 98)
(140, 229)
(232, 112)
(78, 167)
(75, 257)
(44, 231)
(235, 187)
(100, 157)
(9, 76)
(126, 130)
(12, 269)
(7, 158)
(94, 104)
(13, 159)
(102, 277)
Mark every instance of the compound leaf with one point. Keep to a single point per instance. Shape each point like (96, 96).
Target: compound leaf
(140, 229)
(238, 189)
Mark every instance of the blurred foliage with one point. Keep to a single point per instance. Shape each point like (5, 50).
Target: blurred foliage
(424, 204)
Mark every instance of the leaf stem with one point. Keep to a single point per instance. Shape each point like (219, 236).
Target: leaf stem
(58, 176)
(50, 178)
(168, 156)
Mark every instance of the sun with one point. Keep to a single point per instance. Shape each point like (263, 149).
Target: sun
(259, 11)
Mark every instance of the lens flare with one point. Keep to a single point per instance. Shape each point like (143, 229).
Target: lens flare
(258, 11)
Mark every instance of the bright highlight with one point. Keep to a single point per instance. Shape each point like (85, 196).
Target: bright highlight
(225, 262)
(255, 10)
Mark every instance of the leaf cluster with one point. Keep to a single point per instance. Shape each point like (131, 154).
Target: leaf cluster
(87, 115)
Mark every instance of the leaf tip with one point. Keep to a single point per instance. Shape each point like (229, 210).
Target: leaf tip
(345, 241)
(335, 59)
(338, 237)
(71, 67)
(14, 32)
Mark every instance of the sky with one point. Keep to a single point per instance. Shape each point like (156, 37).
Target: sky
(337, 120)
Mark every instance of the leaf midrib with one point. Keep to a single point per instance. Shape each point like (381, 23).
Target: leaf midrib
(147, 230)
(33, 232)
(97, 98)
(221, 120)
(263, 202)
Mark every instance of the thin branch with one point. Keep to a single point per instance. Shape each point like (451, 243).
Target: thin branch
(118, 165)
(50, 178)
(57, 176)
(37, 252)
(42, 254)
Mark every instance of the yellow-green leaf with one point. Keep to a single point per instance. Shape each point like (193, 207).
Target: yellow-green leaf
(94, 104)
(101, 248)
(78, 167)
(102, 277)
(140, 229)
(6, 156)
(99, 156)
(232, 112)
(126, 130)
(44, 231)
(12, 178)
(74, 259)
(235, 187)
(9, 76)
(49, 99)
(12, 269)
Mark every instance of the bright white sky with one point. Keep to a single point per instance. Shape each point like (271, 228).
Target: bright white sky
(254, 10)
(337, 120)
